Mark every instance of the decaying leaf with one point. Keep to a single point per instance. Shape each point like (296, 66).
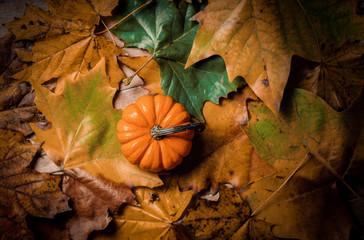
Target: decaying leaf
(257, 39)
(337, 80)
(157, 217)
(84, 142)
(222, 153)
(23, 191)
(18, 108)
(169, 37)
(218, 220)
(70, 46)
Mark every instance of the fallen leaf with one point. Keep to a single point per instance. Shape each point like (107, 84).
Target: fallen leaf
(24, 192)
(310, 122)
(257, 39)
(310, 148)
(150, 72)
(71, 47)
(84, 143)
(157, 217)
(337, 79)
(169, 43)
(217, 220)
(222, 153)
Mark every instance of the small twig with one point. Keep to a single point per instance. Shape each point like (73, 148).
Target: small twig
(281, 186)
(121, 20)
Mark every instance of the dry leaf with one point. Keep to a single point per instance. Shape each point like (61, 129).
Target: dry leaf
(71, 47)
(222, 153)
(24, 191)
(84, 143)
(257, 39)
(218, 220)
(310, 147)
(337, 80)
(150, 72)
(157, 217)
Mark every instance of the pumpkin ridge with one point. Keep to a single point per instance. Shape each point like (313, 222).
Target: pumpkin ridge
(139, 121)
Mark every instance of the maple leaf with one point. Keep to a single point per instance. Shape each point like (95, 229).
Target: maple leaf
(169, 42)
(222, 153)
(18, 108)
(310, 147)
(257, 40)
(157, 217)
(24, 191)
(219, 219)
(70, 47)
(337, 79)
(84, 143)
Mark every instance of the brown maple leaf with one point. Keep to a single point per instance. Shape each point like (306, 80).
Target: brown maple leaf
(23, 191)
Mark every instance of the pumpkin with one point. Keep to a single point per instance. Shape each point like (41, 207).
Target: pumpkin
(146, 117)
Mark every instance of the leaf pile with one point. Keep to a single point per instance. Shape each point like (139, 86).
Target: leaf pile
(278, 85)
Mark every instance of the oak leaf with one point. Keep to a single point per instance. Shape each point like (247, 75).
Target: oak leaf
(83, 142)
(222, 153)
(257, 40)
(23, 191)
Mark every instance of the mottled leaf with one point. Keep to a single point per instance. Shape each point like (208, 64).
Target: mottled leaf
(157, 217)
(84, 142)
(218, 220)
(310, 148)
(222, 153)
(23, 191)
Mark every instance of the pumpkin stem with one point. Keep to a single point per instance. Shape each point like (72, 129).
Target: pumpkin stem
(159, 133)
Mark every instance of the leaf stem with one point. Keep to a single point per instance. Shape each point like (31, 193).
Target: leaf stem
(282, 185)
(108, 30)
(159, 133)
(121, 20)
(127, 80)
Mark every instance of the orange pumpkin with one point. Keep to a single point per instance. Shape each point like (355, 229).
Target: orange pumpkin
(154, 153)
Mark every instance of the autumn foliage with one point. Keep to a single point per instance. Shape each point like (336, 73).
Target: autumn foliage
(278, 85)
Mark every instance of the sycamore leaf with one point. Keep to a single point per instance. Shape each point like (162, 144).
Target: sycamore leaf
(157, 217)
(337, 80)
(24, 191)
(310, 148)
(308, 121)
(168, 35)
(36, 22)
(300, 207)
(222, 153)
(218, 220)
(84, 141)
(257, 40)
(74, 50)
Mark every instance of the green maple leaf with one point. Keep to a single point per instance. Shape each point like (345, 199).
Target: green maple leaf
(167, 34)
